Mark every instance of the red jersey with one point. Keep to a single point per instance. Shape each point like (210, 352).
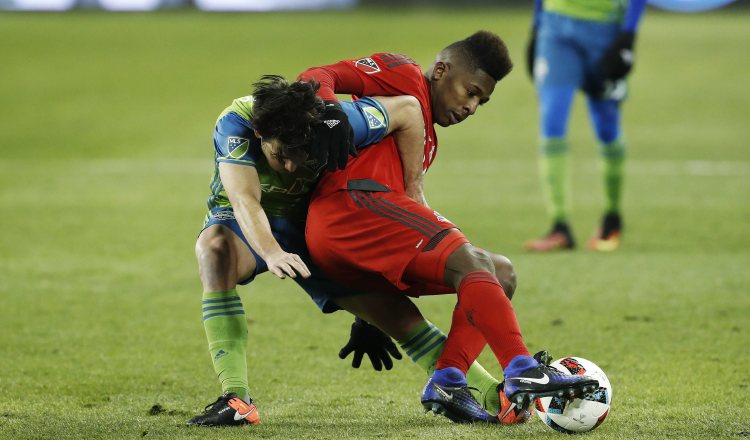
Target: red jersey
(381, 74)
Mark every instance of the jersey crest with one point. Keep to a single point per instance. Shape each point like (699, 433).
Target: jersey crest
(237, 146)
(375, 118)
(367, 65)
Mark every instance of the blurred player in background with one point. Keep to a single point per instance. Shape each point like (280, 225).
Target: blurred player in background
(366, 228)
(261, 184)
(582, 45)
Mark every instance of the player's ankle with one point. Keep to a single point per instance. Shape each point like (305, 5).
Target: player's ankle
(449, 376)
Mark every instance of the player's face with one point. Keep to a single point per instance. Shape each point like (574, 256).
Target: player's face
(457, 92)
(272, 151)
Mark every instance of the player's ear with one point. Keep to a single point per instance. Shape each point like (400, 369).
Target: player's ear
(439, 70)
(257, 134)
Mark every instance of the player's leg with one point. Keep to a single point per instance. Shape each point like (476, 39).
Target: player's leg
(558, 71)
(605, 117)
(483, 314)
(223, 260)
(423, 342)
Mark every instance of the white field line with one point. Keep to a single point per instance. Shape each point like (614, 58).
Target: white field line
(709, 168)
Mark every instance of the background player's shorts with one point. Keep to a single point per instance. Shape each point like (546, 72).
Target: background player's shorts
(290, 237)
(368, 233)
(569, 50)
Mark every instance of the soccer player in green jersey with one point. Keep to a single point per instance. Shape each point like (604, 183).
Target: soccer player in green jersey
(582, 45)
(259, 192)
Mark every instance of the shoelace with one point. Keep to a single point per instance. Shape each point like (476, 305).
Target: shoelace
(213, 404)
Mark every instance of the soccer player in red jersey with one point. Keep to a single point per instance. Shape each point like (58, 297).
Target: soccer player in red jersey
(368, 225)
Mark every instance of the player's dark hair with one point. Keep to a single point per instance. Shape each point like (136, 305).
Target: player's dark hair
(286, 111)
(486, 51)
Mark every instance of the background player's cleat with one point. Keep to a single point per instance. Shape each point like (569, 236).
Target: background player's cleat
(559, 238)
(446, 393)
(528, 379)
(510, 413)
(227, 410)
(607, 237)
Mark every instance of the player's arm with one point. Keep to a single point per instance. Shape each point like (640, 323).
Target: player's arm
(406, 124)
(242, 186)
(335, 78)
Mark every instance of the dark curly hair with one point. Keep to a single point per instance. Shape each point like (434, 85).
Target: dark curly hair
(286, 111)
(486, 51)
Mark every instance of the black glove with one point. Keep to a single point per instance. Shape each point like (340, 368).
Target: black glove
(531, 54)
(368, 339)
(619, 58)
(333, 138)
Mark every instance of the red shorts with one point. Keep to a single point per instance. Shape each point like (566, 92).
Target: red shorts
(381, 241)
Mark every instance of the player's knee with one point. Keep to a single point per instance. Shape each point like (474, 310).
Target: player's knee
(466, 259)
(505, 273)
(213, 251)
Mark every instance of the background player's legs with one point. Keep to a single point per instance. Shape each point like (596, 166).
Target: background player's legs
(558, 73)
(555, 103)
(223, 260)
(605, 118)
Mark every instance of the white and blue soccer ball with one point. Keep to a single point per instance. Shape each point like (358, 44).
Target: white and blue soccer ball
(577, 415)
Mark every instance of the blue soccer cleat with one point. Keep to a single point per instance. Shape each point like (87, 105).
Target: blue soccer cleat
(446, 393)
(529, 378)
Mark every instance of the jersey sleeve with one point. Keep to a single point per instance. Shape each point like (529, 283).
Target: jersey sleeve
(633, 15)
(385, 74)
(233, 140)
(369, 120)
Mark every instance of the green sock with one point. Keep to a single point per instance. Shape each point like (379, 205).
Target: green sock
(226, 331)
(553, 168)
(613, 164)
(424, 345)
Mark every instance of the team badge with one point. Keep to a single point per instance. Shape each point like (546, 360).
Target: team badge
(375, 118)
(226, 214)
(237, 146)
(439, 217)
(367, 65)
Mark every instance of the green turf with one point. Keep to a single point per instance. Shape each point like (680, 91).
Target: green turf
(105, 155)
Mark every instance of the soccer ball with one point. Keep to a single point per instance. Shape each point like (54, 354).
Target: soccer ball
(577, 415)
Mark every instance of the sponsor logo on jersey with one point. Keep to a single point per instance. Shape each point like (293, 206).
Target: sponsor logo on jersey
(375, 118)
(367, 65)
(237, 146)
(223, 215)
(331, 122)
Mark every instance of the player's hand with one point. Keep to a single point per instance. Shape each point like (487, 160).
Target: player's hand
(619, 58)
(284, 264)
(333, 138)
(531, 54)
(368, 339)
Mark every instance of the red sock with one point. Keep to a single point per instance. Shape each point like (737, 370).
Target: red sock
(463, 345)
(482, 299)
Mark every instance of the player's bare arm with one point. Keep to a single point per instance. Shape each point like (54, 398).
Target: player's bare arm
(243, 189)
(407, 126)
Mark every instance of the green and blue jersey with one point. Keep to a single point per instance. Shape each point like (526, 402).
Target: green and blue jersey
(625, 12)
(284, 194)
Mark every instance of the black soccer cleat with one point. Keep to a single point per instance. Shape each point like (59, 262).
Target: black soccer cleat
(454, 402)
(227, 410)
(546, 381)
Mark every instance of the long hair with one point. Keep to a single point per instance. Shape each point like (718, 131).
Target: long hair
(286, 111)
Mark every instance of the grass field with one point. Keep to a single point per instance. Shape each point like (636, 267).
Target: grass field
(105, 156)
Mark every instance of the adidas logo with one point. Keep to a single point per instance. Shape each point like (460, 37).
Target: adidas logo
(220, 353)
(331, 122)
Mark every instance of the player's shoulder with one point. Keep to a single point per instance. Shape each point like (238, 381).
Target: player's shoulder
(382, 61)
(234, 138)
